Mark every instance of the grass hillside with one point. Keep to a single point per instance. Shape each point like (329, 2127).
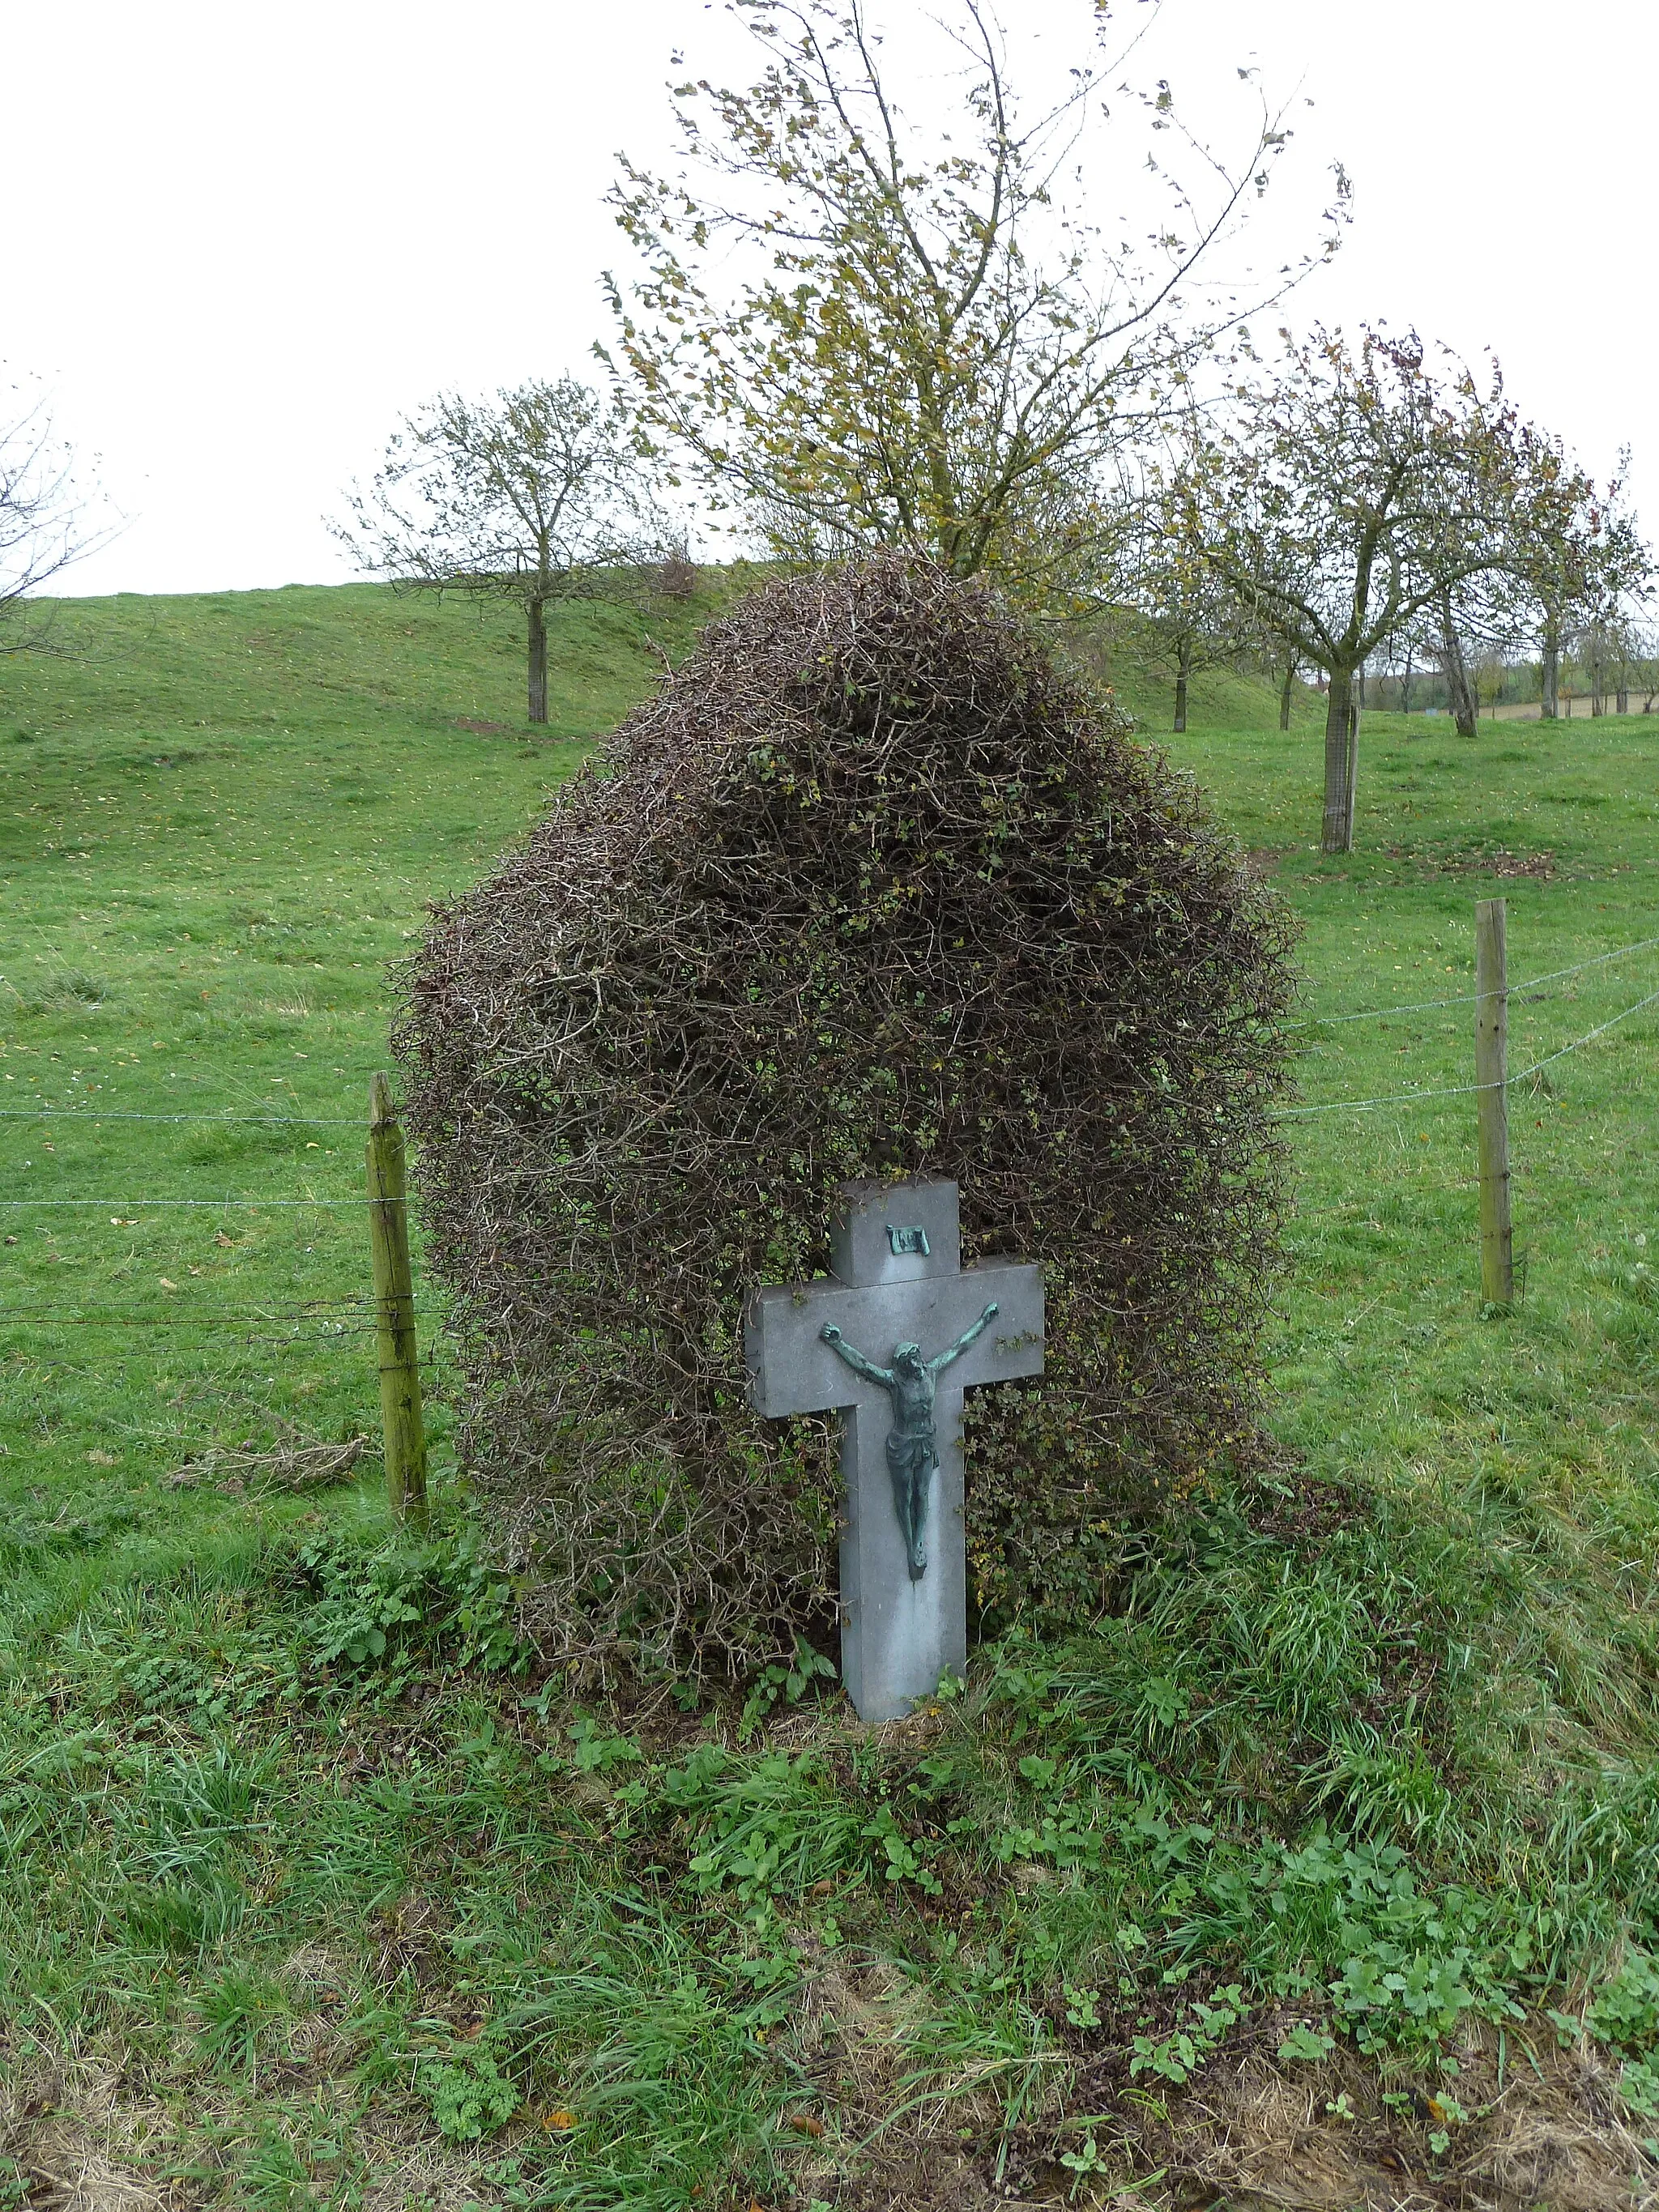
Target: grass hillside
(1325, 1873)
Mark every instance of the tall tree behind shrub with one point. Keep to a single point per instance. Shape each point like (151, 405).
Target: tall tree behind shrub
(866, 331)
(868, 889)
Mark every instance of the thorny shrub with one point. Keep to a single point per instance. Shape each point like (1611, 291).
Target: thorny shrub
(871, 888)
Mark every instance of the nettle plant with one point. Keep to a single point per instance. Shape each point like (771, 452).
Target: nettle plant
(871, 888)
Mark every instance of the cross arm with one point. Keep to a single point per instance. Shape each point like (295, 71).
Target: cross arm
(792, 1369)
(831, 1335)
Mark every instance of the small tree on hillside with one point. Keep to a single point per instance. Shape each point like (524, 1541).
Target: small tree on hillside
(1192, 614)
(45, 515)
(1350, 493)
(537, 497)
(866, 333)
(1284, 664)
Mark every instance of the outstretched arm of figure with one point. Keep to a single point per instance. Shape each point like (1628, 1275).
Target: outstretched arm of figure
(854, 1358)
(969, 1336)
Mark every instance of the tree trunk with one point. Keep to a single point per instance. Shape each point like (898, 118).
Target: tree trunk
(1460, 694)
(1406, 686)
(1183, 670)
(1551, 710)
(1341, 747)
(1284, 690)
(537, 613)
(1621, 697)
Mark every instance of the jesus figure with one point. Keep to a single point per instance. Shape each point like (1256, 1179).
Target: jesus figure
(913, 1443)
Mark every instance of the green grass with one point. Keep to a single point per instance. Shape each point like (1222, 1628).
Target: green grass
(305, 1858)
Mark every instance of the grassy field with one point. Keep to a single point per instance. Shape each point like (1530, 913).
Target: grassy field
(1331, 1864)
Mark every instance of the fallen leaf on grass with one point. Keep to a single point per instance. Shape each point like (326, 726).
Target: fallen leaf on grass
(804, 2124)
(561, 2121)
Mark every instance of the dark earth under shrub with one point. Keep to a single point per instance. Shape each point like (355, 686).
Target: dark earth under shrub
(871, 887)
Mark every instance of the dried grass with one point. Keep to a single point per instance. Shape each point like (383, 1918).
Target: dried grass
(291, 1463)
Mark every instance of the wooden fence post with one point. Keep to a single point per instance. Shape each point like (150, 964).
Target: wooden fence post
(394, 1301)
(1492, 1047)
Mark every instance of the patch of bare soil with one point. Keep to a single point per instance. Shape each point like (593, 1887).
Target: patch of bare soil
(1543, 2133)
(1324, 2139)
(485, 729)
(1543, 2130)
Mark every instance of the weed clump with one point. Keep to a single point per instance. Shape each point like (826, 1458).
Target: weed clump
(871, 888)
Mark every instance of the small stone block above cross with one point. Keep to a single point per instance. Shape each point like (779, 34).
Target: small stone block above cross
(892, 1339)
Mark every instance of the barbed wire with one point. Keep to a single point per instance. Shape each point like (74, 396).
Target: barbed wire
(1473, 997)
(154, 1205)
(229, 1120)
(1462, 1089)
(335, 1329)
(1288, 1112)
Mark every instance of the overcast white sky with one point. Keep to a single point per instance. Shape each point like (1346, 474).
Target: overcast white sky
(241, 241)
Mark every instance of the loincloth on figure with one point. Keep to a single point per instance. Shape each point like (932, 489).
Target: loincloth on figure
(909, 1457)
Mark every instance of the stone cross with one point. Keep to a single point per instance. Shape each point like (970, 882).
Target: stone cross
(892, 1339)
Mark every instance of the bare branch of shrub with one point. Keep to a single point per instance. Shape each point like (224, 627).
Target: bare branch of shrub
(869, 888)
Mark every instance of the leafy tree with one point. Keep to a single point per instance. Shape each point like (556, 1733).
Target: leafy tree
(862, 336)
(536, 498)
(1591, 571)
(1350, 492)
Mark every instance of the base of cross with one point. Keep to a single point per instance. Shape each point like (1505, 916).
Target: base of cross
(890, 1339)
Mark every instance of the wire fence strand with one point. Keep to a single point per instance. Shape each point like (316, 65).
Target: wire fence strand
(126, 1205)
(1471, 998)
(1463, 1090)
(215, 1117)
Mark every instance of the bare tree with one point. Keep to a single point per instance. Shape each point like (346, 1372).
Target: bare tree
(1348, 494)
(535, 498)
(1407, 669)
(47, 516)
(1287, 665)
(1643, 665)
(865, 333)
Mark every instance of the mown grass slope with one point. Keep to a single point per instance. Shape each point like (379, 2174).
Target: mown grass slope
(318, 1894)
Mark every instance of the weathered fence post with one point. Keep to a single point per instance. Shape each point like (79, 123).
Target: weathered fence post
(1492, 1045)
(394, 1301)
